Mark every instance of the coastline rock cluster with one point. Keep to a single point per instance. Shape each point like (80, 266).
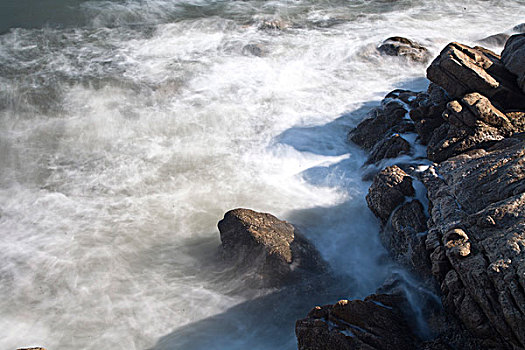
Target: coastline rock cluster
(471, 242)
(466, 239)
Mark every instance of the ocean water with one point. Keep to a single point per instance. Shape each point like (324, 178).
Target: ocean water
(128, 128)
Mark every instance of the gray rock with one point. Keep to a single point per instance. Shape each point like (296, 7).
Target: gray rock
(513, 57)
(477, 241)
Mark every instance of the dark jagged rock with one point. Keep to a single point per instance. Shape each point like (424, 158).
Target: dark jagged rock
(388, 191)
(427, 111)
(374, 323)
(477, 241)
(390, 147)
(382, 121)
(513, 57)
(472, 123)
(273, 248)
(399, 46)
(461, 69)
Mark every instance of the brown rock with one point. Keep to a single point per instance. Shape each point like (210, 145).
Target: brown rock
(513, 57)
(272, 247)
(461, 69)
(472, 123)
(399, 46)
(373, 323)
(388, 191)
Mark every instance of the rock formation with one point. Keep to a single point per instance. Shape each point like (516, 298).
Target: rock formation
(273, 248)
(399, 46)
(471, 242)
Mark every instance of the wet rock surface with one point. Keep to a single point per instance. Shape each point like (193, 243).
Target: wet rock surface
(400, 46)
(273, 248)
(373, 323)
(513, 57)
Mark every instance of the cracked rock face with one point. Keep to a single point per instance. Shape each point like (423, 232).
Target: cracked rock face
(471, 122)
(477, 240)
(275, 249)
(461, 69)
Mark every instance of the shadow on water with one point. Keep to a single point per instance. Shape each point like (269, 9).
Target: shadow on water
(346, 234)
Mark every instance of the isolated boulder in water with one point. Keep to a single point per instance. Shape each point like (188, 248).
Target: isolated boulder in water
(471, 123)
(461, 69)
(273, 248)
(388, 191)
(477, 240)
(399, 46)
(257, 50)
(374, 323)
(513, 57)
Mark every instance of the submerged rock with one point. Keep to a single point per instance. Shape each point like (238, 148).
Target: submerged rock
(273, 248)
(513, 57)
(254, 50)
(461, 69)
(399, 46)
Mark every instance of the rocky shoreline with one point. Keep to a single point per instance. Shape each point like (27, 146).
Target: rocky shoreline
(465, 239)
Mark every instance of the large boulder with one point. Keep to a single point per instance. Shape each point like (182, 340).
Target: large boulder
(513, 57)
(477, 239)
(373, 323)
(471, 122)
(388, 191)
(273, 248)
(461, 69)
(399, 46)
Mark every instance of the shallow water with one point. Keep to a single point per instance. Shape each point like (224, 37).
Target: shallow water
(128, 128)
